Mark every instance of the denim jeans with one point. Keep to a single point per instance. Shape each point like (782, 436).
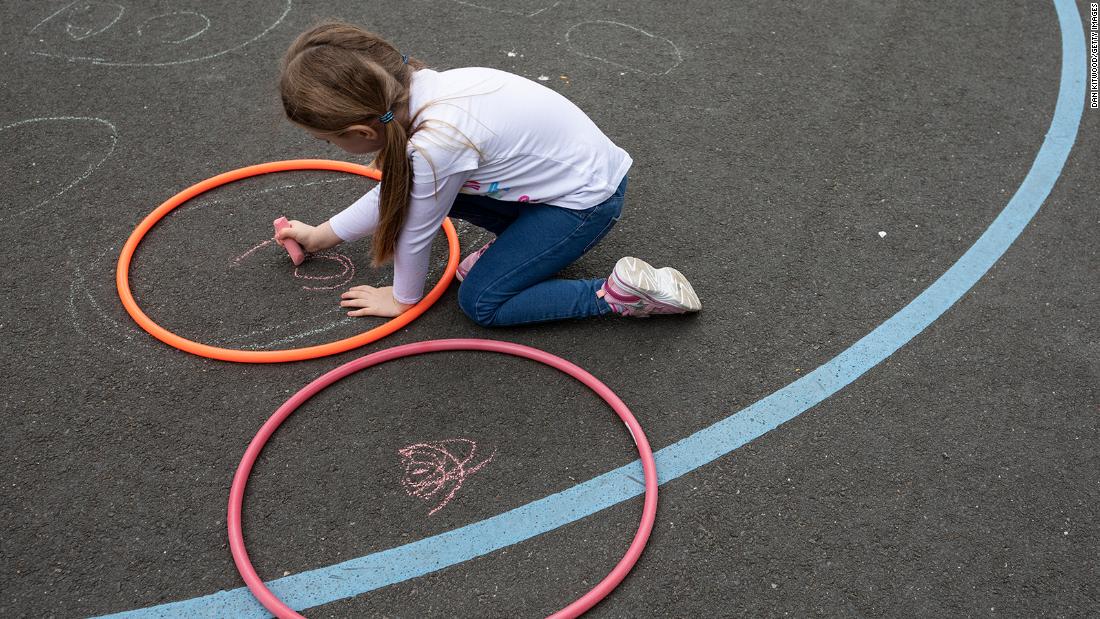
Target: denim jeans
(511, 282)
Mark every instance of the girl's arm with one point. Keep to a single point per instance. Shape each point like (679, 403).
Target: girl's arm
(429, 204)
(311, 238)
(412, 256)
(358, 220)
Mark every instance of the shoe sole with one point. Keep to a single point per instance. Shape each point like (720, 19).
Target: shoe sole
(666, 285)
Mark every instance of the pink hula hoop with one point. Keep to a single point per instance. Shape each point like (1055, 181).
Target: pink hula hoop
(575, 609)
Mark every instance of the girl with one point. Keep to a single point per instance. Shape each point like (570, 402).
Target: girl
(489, 147)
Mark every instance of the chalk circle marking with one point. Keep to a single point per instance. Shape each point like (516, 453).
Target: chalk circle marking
(122, 272)
(90, 31)
(91, 167)
(240, 479)
(573, 47)
(520, 13)
(165, 16)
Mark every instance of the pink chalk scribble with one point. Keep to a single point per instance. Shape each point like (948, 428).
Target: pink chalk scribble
(343, 277)
(439, 468)
(237, 260)
(347, 274)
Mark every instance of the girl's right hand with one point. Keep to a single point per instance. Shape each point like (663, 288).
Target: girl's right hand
(311, 238)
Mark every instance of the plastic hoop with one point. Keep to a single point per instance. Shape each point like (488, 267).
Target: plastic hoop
(122, 272)
(240, 479)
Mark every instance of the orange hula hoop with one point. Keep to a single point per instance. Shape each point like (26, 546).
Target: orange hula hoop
(122, 272)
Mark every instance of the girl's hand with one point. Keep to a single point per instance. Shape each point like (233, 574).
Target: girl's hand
(312, 239)
(373, 301)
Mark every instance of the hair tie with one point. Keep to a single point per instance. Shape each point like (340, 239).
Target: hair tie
(387, 117)
(405, 58)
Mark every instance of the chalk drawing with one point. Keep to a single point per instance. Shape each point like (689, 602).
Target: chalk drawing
(330, 282)
(344, 276)
(80, 295)
(93, 321)
(347, 265)
(205, 199)
(308, 319)
(528, 8)
(436, 471)
(281, 333)
(304, 334)
(87, 171)
(104, 33)
(108, 14)
(202, 18)
(470, 235)
(237, 261)
(629, 40)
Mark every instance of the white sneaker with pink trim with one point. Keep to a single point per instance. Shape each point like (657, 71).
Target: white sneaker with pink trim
(637, 289)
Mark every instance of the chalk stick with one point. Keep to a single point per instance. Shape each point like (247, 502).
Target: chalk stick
(290, 245)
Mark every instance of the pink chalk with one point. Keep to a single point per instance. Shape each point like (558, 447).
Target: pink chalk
(292, 247)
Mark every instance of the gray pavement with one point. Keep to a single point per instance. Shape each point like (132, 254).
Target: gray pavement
(773, 143)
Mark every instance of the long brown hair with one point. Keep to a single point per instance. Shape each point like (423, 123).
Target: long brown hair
(336, 75)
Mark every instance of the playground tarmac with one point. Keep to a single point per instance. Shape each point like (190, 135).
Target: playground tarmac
(888, 406)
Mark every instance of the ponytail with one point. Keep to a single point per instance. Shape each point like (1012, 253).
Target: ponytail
(336, 75)
(393, 198)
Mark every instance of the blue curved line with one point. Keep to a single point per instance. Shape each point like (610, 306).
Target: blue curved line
(357, 576)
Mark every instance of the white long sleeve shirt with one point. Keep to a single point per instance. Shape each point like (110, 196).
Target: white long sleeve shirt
(532, 145)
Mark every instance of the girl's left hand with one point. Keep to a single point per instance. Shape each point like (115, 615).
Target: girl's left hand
(372, 301)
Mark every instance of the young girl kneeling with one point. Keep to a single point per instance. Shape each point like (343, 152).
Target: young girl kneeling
(489, 147)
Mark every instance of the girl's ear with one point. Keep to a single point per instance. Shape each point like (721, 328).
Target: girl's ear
(365, 131)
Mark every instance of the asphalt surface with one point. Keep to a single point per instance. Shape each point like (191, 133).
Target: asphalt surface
(774, 143)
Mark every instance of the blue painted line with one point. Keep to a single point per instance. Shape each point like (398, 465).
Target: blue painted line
(357, 576)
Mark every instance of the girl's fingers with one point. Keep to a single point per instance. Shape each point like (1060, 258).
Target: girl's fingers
(368, 301)
(361, 302)
(291, 232)
(363, 308)
(355, 303)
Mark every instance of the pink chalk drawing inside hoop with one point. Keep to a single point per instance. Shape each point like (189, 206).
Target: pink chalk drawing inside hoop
(240, 479)
(439, 469)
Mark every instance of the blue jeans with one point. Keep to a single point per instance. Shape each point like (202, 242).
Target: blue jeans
(510, 283)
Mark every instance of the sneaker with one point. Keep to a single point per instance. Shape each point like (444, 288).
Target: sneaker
(635, 288)
(468, 262)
